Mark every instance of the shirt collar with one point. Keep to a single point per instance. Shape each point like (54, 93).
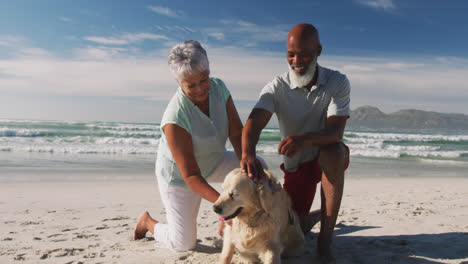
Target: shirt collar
(321, 80)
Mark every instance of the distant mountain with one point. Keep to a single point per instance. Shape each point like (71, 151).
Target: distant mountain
(371, 118)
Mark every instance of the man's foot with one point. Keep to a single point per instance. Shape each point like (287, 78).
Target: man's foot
(145, 223)
(324, 251)
(314, 218)
(327, 259)
(310, 220)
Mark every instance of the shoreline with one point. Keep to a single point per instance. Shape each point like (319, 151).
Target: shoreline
(359, 168)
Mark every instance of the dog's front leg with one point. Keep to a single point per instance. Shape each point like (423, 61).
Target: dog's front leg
(228, 246)
(272, 255)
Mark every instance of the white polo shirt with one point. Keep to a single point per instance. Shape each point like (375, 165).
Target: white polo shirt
(299, 110)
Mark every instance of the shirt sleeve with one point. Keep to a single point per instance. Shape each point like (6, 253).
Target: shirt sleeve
(221, 88)
(178, 114)
(339, 104)
(266, 100)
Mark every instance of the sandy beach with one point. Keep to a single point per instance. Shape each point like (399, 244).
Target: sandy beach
(382, 220)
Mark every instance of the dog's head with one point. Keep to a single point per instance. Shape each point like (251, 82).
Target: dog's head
(239, 193)
(242, 194)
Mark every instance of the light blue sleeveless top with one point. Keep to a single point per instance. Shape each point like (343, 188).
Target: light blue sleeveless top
(209, 134)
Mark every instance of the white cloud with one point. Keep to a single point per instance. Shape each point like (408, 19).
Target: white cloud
(244, 30)
(36, 52)
(386, 5)
(427, 83)
(124, 39)
(9, 40)
(166, 11)
(99, 53)
(392, 84)
(136, 37)
(65, 19)
(107, 41)
(216, 35)
(189, 29)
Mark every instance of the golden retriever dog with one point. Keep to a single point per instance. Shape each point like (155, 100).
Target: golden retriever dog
(264, 227)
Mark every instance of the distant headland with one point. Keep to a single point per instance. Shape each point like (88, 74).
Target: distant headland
(371, 118)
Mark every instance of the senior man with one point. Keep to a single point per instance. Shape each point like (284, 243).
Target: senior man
(311, 103)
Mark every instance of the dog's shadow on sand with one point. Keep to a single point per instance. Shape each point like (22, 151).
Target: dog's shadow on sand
(207, 249)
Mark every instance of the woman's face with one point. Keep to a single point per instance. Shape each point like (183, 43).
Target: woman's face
(196, 87)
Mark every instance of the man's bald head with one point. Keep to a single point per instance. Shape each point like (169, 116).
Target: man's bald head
(304, 33)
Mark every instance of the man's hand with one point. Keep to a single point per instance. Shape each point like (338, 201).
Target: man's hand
(291, 145)
(252, 166)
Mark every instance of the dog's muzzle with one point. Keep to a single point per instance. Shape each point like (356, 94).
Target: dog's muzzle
(219, 210)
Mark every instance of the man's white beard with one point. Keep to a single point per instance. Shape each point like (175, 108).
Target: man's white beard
(298, 80)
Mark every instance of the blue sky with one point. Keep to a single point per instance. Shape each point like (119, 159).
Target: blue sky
(106, 60)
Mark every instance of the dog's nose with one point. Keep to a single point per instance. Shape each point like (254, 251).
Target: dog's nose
(217, 209)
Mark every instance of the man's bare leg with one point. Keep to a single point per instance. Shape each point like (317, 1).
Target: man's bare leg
(332, 162)
(145, 223)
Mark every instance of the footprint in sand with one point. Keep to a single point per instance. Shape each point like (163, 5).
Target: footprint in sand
(118, 247)
(118, 218)
(20, 257)
(32, 223)
(94, 245)
(61, 252)
(91, 255)
(58, 240)
(84, 236)
(54, 235)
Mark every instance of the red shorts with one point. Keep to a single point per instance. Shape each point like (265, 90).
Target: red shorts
(302, 184)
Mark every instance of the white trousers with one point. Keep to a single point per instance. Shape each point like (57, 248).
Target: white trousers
(182, 205)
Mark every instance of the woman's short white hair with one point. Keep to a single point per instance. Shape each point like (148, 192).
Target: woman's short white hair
(187, 58)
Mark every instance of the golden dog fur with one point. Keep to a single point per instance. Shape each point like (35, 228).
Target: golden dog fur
(266, 227)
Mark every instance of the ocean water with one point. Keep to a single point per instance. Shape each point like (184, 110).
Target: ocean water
(61, 144)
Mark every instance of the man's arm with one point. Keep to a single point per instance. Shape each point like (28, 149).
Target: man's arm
(333, 133)
(256, 122)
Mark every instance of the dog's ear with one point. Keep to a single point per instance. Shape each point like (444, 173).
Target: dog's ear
(273, 183)
(267, 191)
(265, 195)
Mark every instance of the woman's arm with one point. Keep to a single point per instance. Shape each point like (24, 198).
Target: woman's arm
(181, 146)
(235, 127)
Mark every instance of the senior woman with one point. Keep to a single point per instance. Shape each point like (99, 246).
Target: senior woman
(195, 126)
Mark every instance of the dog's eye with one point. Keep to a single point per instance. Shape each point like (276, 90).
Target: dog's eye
(231, 195)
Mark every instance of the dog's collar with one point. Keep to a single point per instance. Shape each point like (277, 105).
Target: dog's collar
(236, 213)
